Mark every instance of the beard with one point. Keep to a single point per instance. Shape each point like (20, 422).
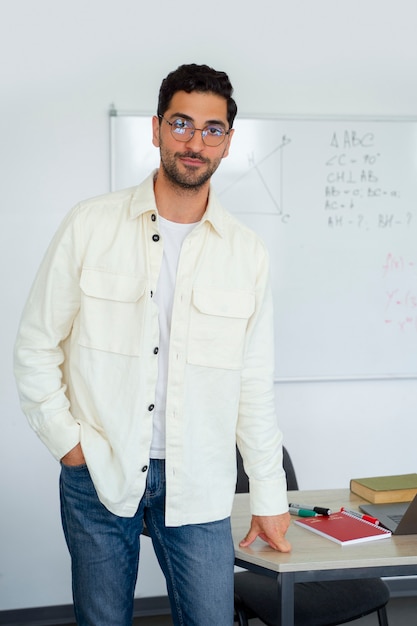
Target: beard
(190, 178)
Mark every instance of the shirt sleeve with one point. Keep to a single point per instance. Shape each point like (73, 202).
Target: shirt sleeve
(38, 354)
(258, 435)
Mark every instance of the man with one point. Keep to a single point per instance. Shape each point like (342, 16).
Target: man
(144, 354)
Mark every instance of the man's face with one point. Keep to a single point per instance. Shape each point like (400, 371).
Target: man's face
(190, 164)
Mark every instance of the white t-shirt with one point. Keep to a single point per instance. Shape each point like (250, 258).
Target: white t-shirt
(173, 235)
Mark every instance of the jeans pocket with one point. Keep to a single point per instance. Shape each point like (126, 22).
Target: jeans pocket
(76, 481)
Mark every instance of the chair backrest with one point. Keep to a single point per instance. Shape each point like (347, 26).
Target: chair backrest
(292, 483)
(242, 483)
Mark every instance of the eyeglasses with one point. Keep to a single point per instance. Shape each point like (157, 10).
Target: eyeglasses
(183, 130)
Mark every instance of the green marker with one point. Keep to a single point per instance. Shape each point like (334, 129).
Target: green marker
(302, 512)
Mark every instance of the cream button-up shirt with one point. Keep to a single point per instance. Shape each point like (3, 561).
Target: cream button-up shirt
(86, 357)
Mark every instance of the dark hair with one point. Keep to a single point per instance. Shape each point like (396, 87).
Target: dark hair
(200, 78)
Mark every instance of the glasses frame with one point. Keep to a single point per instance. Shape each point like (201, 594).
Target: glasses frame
(192, 130)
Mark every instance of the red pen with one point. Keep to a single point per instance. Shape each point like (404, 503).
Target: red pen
(367, 518)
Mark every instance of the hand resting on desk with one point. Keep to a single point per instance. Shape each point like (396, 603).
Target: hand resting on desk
(270, 528)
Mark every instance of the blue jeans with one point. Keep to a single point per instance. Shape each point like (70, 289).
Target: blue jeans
(197, 560)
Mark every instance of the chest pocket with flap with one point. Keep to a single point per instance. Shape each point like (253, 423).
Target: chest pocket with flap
(218, 322)
(112, 311)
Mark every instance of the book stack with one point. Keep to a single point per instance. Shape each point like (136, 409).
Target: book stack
(382, 489)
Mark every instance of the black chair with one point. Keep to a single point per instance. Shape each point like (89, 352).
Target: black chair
(326, 603)
(242, 484)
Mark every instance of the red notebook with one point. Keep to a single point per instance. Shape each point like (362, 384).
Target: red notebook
(343, 528)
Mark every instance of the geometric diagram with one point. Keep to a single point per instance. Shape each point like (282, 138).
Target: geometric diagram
(250, 179)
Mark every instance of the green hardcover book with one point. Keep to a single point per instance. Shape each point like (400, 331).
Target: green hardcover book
(379, 489)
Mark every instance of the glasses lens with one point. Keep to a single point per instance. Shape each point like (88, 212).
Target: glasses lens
(213, 135)
(182, 130)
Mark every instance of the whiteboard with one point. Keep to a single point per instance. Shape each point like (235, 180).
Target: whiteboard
(335, 201)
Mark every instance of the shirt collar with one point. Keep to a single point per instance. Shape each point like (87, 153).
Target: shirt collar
(143, 201)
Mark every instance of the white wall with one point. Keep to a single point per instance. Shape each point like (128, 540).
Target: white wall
(63, 64)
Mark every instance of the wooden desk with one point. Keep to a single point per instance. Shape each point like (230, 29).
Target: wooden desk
(317, 558)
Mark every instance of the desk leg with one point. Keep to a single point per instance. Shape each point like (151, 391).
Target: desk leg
(286, 591)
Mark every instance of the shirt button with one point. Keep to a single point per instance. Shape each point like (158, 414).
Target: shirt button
(155, 237)
(144, 468)
(151, 407)
(153, 217)
(155, 350)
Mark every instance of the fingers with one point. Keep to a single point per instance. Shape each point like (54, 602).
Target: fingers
(250, 538)
(270, 529)
(279, 543)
